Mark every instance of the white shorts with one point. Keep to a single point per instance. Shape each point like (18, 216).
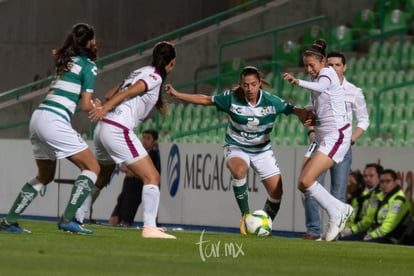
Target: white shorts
(116, 143)
(53, 137)
(335, 145)
(264, 163)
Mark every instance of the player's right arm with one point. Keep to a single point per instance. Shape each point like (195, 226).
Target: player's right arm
(190, 98)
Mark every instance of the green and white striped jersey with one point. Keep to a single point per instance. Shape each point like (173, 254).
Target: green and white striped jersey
(65, 90)
(249, 126)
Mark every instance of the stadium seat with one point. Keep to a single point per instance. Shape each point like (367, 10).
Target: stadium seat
(288, 53)
(390, 78)
(394, 19)
(231, 71)
(365, 23)
(311, 34)
(341, 38)
(197, 112)
(385, 49)
(369, 94)
(350, 68)
(386, 115)
(386, 63)
(406, 54)
(399, 115)
(408, 7)
(374, 48)
(370, 79)
(386, 5)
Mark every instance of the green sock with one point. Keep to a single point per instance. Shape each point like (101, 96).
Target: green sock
(25, 197)
(271, 208)
(81, 189)
(242, 197)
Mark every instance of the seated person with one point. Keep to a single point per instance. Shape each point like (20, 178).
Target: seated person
(366, 214)
(356, 194)
(392, 216)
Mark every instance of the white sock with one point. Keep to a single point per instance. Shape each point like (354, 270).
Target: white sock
(274, 200)
(238, 182)
(86, 205)
(36, 184)
(327, 201)
(150, 202)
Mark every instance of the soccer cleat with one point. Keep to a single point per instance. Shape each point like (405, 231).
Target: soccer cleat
(243, 225)
(12, 228)
(155, 232)
(337, 225)
(73, 227)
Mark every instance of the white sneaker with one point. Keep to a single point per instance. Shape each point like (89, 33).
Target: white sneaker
(155, 232)
(337, 225)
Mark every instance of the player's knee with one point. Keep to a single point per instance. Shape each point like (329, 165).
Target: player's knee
(304, 183)
(152, 179)
(238, 173)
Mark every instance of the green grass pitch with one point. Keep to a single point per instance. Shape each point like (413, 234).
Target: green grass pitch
(122, 251)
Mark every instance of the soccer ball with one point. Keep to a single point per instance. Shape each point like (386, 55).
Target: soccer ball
(258, 223)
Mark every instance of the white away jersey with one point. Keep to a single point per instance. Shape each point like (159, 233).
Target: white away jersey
(327, 100)
(132, 111)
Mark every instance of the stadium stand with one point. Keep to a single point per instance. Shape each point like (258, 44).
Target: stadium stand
(386, 62)
(365, 23)
(288, 53)
(341, 38)
(394, 19)
(311, 34)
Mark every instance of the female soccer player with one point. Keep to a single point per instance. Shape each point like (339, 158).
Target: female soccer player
(332, 134)
(51, 132)
(252, 112)
(115, 141)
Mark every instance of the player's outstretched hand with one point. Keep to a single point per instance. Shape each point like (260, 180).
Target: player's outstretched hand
(290, 78)
(170, 90)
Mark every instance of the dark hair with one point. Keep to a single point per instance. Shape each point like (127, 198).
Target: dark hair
(337, 55)
(74, 45)
(377, 167)
(317, 49)
(151, 132)
(247, 71)
(359, 178)
(162, 54)
(390, 172)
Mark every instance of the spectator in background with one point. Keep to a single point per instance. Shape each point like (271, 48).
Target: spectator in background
(130, 197)
(366, 215)
(355, 106)
(356, 194)
(393, 213)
